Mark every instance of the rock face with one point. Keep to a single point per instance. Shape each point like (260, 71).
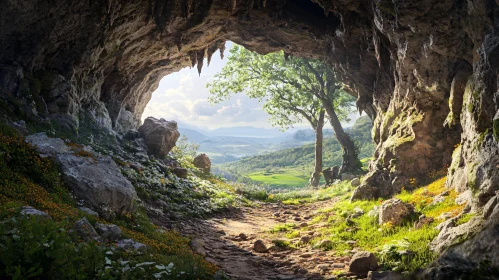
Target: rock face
(104, 60)
(160, 135)
(202, 162)
(363, 262)
(426, 71)
(395, 211)
(99, 183)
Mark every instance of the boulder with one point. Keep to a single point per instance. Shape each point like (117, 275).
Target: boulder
(363, 262)
(130, 245)
(30, 211)
(85, 230)
(260, 247)
(202, 162)
(160, 136)
(99, 182)
(196, 246)
(395, 211)
(109, 231)
(47, 146)
(180, 172)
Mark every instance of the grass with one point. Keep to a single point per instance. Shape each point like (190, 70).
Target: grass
(293, 177)
(28, 179)
(387, 241)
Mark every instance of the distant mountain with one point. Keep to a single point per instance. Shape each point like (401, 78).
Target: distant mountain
(247, 131)
(303, 156)
(192, 135)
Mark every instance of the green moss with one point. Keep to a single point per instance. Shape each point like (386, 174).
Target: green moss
(495, 129)
(464, 219)
(470, 107)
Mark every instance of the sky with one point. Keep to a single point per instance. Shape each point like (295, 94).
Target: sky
(183, 97)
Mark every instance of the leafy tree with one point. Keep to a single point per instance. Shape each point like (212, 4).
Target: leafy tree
(276, 81)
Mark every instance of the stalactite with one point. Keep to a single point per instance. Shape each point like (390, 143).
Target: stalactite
(251, 3)
(178, 42)
(200, 57)
(194, 58)
(264, 3)
(234, 5)
(221, 47)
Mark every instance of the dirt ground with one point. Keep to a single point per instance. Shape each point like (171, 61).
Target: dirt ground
(229, 243)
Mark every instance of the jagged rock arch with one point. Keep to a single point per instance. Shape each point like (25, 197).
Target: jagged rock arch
(404, 60)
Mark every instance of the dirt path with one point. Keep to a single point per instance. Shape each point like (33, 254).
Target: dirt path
(229, 241)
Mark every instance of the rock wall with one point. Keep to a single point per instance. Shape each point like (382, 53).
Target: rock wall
(426, 70)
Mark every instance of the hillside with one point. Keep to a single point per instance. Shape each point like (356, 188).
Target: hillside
(301, 159)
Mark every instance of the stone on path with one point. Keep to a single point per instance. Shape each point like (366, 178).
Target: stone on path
(259, 246)
(363, 262)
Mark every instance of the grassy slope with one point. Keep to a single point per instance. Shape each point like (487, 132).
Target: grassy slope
(28, 179)
(292, 167)
(387, 241)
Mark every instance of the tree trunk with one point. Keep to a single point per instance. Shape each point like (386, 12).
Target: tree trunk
(351, 161)
(316, 175)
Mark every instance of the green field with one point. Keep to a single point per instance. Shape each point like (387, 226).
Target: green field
(286, 177)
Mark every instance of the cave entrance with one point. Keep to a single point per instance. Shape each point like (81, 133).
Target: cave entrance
(240, 128)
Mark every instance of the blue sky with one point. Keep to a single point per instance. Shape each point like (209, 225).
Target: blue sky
(183, 97)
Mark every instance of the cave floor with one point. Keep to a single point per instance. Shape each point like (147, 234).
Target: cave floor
(229, 242)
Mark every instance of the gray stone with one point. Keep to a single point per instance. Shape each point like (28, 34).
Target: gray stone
(450, 235)
(130, 245)
(489, 207)
(30, 211)
(85, 231)
(197, 246)
(363, 262)
(160, 136)
(47, 146)
(99, 183)
(88, 211)
(464, 198)
(108, 231)
(395, 211)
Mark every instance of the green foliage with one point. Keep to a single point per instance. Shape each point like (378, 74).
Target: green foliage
(292, 167)
(281, 228)
(38, 248)
(464, 219)
(495, 129)
(288, 87)
(185, 151)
